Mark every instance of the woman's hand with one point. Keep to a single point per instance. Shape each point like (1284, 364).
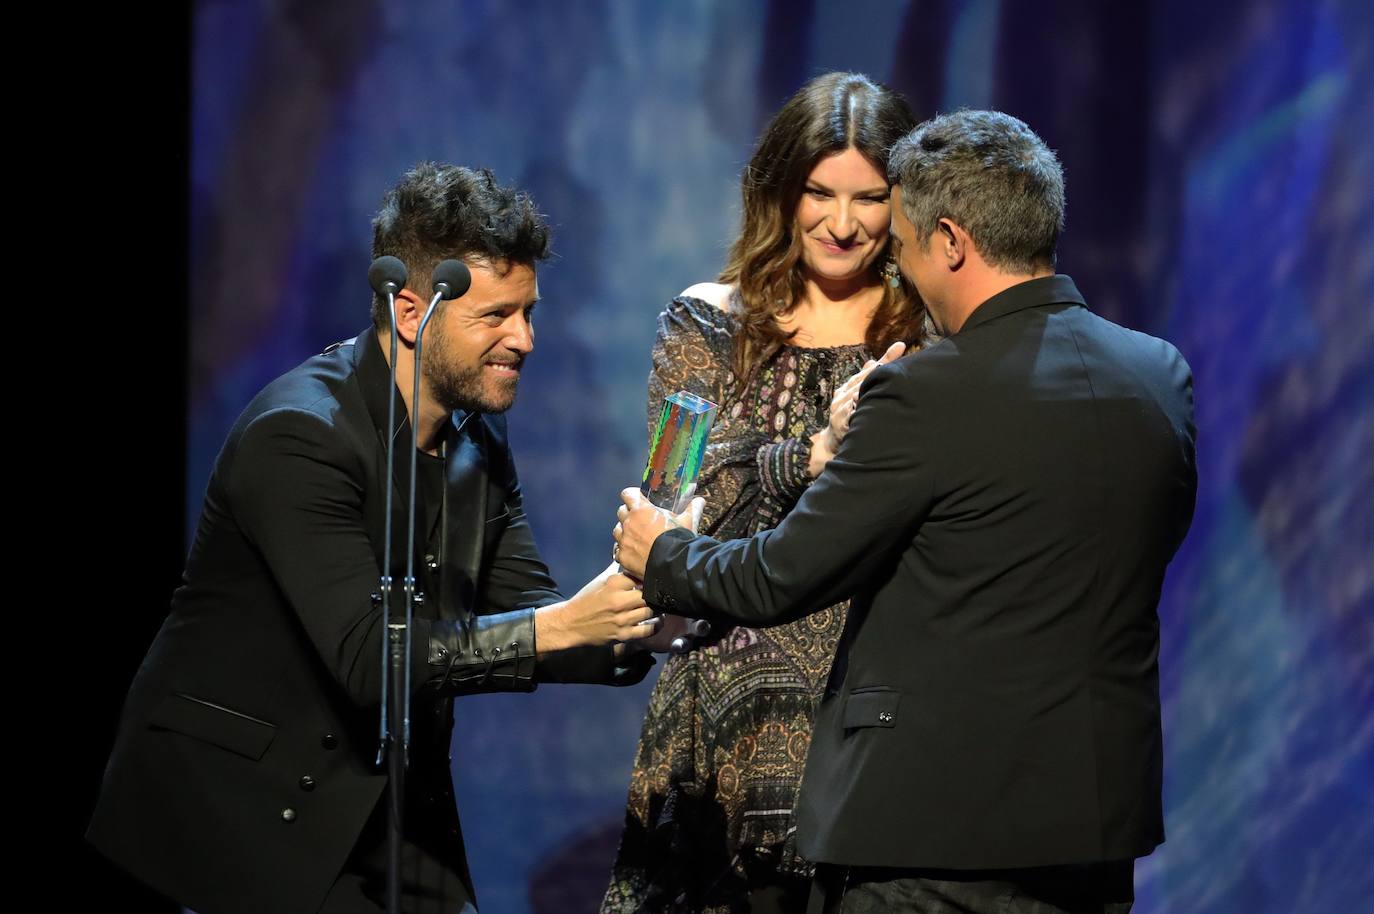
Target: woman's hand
(826, 442)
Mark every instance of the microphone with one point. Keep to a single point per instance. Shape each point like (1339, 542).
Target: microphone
(451, 279)
(387, 275)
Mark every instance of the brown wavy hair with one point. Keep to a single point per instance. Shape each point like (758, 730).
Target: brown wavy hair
(828, 115)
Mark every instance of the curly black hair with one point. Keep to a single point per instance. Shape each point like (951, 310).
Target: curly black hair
(437, 211)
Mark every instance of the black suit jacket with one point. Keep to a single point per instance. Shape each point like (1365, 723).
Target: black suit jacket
(1003, 509)
(243, 770)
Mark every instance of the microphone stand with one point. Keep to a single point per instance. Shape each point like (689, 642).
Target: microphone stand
(391, 750)
(397, 646)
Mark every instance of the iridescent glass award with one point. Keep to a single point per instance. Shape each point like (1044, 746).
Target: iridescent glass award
(676, 449)
(670, 478)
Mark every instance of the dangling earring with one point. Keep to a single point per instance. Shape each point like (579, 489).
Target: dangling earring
(891, 273)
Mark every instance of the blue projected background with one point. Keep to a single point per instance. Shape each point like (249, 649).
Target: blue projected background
(1220, 185)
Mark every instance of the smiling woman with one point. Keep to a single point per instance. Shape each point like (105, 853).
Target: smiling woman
(842, 218)
(803, 305)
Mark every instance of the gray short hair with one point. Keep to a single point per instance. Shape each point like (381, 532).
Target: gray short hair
(990, 174)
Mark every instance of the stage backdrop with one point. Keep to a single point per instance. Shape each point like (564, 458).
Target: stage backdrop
(1220, 178)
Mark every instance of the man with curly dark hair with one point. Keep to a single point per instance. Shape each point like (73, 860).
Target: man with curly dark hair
(244, 775)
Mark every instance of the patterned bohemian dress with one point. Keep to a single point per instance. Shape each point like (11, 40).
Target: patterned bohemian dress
(727, 728)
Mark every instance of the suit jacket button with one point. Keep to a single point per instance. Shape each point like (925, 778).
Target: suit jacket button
(307, 782)
(288, 814)
(885, 717)
(329, 741)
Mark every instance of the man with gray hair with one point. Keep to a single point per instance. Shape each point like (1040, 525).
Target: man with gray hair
(1002, 510)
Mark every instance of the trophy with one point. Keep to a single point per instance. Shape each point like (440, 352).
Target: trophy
(670, 477)
(676, 450)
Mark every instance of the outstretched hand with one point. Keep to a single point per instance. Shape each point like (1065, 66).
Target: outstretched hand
(609, 608)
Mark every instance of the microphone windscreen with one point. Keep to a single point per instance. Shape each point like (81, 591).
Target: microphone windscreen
(455, 275)
(385, 270)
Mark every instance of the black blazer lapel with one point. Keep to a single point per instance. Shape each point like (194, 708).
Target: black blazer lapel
(374, 381)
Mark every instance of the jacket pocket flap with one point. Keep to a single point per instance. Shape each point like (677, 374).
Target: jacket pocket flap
(871, 708)
(215, 724)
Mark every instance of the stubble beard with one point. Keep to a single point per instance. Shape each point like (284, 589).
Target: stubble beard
(456, 387)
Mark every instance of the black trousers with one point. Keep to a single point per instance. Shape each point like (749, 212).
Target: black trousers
(1089, 888)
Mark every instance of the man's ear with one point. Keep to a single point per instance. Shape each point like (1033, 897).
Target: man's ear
(955, 244)
(409, 310)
